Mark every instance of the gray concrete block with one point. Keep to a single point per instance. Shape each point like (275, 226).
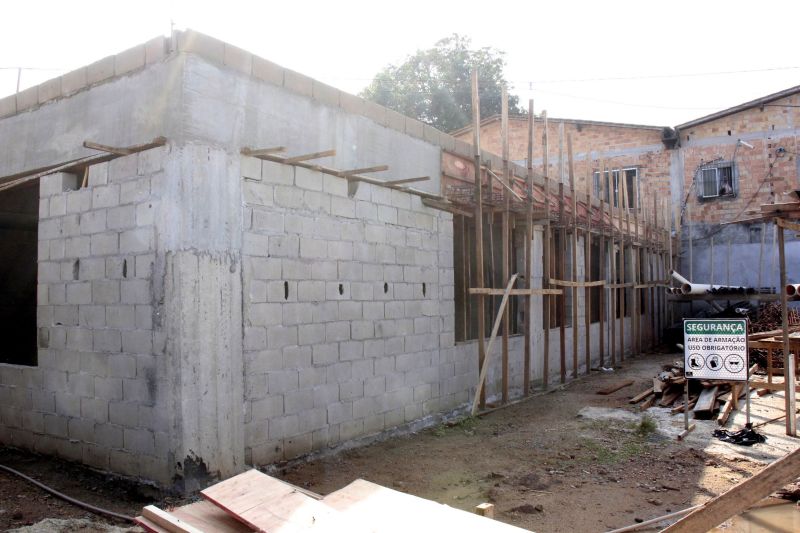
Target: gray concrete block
(80, 429)
(284, 246)
(94, 409)
(308, 179)
(325, 354)
(155, 49)
(283, 426)
(100, 70)
(135, 291)
(105, 292)
(68, 405)
(266, 314)
(296, 82)
(107, 341)
(139, 441)
(79, 293)
(281, 336)
(49, 90)
(57, 183)
(137, 341)
(238, 59)
(310, 291)
(297, 313)
(8, 106)
(129, 60)
(105, 195)
(108, 388)
(202, 45)
(267, 71)
(27, 99)
(92, 316)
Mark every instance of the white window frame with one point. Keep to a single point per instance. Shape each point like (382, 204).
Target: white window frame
(700, 180)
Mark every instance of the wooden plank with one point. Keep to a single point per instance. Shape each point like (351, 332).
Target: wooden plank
(587, 272)
(209, 518)
(485, 509)
(400, 181)
(707, 401)
(150, 527)
(602, 259)
(167, 521)
(367, 170)
(267, 504)
(788, 359)
(614, 388)
(446, 206)
(506, 188)
(488, 351)
(383, 510)
(514, 292)
(8, 182)
(307, 157)
(570, 283)
(740, 497)
(670, 396)
(641, 396)
(263, 151)
(785, 224)
(104, 148)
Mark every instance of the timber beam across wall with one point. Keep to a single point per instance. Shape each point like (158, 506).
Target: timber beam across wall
(268, 154)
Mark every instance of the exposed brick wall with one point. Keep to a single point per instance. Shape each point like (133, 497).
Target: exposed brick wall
(618, 146)
(348, 311)
(764, 174)
(94, 396)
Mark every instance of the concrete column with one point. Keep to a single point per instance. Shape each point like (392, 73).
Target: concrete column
(199, 262)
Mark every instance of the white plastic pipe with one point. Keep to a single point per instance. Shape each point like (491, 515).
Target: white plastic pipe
(697, 288)
(680, 279)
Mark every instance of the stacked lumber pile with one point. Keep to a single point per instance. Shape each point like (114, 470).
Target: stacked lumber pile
(253, 501)
(705, 398)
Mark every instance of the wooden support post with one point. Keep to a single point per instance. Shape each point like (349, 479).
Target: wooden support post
(562, 253)
(620, 200)
(546, 244)
(526, 384)
(788, 357)
(602, 253)
(612, 321)
(505, 255)
(587, 267)
(574, 253)
(485, 366)
(476, 144)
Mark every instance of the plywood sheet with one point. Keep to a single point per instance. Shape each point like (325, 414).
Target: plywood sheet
(378, 509)
(267, 504)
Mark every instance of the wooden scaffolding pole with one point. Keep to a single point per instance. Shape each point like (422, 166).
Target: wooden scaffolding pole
(612, 321)
(788, 358)
(562, 253)
(587, 267)
(526, 384)
(505, 229)
(574, 253)
(623, 290)
(602, 264)
(479, 280)
(546, 244)
(637, 267)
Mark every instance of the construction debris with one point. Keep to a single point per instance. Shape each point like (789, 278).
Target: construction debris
(254, 501)
(705, 398)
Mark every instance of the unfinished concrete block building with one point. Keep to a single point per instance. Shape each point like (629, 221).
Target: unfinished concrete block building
(176, 306)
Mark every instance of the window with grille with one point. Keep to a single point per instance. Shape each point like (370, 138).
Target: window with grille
(716, 181)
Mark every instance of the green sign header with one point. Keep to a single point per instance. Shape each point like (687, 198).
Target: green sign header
(715, 327)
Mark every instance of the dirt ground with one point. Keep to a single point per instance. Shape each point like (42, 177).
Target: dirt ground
(545, 468)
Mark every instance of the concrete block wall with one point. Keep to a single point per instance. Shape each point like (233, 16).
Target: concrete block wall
(96, 394)
(348, 311)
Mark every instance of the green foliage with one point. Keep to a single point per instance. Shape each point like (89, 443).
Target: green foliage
(646, 426)
(434, 85)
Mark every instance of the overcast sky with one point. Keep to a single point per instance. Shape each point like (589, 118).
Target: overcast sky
(678, 60)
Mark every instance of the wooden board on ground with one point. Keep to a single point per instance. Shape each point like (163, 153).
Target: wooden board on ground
(614, 388)
(379, 509)
(267, 504)
(706, 403)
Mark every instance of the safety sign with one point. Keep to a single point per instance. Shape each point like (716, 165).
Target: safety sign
(715, 349)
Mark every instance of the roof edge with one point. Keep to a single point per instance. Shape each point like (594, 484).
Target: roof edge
(496, 117)
(741, 107)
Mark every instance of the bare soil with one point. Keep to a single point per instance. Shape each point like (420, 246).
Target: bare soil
(545, 468)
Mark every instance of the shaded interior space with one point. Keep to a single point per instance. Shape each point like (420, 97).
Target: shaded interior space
(19, 220)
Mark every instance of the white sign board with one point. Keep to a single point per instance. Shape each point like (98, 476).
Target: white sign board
(715, 349)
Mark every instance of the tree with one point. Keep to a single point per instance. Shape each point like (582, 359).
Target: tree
(434, 85)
